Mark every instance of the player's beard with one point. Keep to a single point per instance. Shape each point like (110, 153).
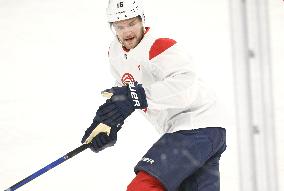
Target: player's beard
(132, 40)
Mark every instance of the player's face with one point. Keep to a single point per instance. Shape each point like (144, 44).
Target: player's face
(129, 32)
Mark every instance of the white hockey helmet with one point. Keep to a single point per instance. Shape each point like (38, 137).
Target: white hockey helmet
(124, 9)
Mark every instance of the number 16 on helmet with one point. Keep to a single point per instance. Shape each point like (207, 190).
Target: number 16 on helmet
(124, 9)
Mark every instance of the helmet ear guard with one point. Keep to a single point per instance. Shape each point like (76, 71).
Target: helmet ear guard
(124, 9)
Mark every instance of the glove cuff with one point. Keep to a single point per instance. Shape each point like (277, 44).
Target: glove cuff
(137, 94)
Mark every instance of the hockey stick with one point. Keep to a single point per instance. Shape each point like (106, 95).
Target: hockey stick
(101, 128)
(48, 167)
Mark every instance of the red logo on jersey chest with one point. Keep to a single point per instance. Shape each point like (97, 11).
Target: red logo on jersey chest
(126, 78)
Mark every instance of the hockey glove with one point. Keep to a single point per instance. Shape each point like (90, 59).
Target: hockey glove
(123, 102)
(102, 140)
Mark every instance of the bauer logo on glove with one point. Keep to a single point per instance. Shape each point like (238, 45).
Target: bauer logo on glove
(133, 92)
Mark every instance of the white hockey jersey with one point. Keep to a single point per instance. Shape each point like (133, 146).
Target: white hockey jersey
(177, 99)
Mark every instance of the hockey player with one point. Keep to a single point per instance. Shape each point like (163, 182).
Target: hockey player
(153, 75)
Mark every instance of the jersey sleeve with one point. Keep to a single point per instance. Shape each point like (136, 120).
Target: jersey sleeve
(177, 85)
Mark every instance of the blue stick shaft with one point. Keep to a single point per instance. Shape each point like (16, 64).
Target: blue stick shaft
(48, 167)
(37, 174)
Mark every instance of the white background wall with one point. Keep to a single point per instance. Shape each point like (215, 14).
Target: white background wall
(276, 13)
(53, 65)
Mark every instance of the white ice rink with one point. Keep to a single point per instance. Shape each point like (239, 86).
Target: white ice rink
(53, 66)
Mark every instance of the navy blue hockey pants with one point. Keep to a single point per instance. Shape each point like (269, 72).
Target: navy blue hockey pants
(186, 160)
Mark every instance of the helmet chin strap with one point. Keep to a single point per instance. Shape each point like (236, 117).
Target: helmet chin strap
(119, 40)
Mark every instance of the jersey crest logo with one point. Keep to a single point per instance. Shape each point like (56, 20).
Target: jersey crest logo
(127, 78)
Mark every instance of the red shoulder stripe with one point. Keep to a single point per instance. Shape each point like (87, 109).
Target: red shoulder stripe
(159, 46)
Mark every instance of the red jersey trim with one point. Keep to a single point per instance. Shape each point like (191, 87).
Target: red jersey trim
(159, 46)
